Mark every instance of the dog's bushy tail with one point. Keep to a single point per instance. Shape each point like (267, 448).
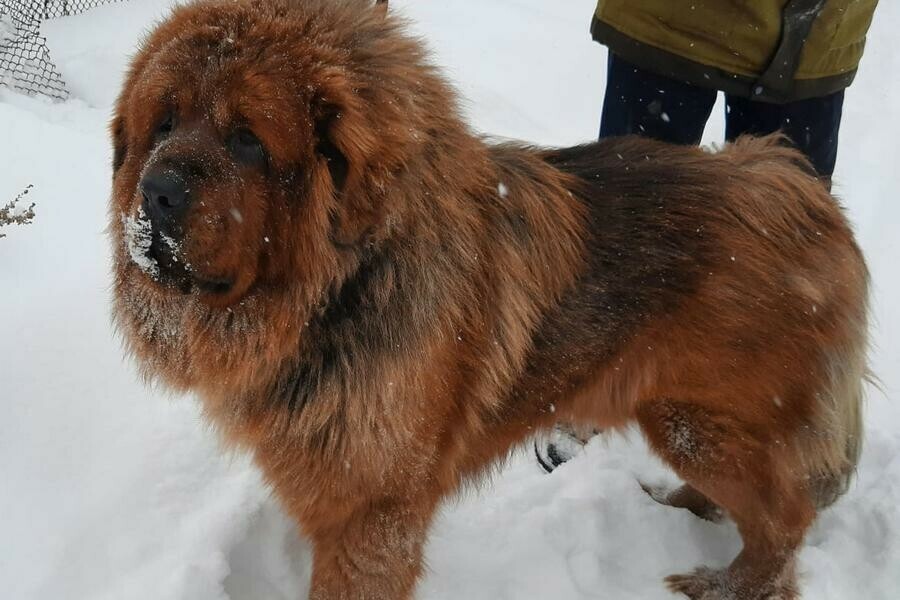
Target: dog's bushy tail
(834, 454)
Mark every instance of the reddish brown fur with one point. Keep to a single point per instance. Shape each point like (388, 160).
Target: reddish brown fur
(399, 320)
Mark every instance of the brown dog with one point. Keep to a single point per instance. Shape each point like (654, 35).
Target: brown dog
(379, 304)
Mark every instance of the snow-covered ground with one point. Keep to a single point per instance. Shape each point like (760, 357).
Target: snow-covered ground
(111, 490)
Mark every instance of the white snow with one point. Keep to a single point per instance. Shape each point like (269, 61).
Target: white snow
(138, 238)
(174, 246)
(112, 490)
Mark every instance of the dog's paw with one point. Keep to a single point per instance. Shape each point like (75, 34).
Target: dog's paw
(702, 584)
(712, 584)
(684, 497)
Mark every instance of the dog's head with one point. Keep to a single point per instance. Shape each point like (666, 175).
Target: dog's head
(254, 139)
(257, 144)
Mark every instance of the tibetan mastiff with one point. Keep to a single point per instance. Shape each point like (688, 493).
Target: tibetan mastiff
(379, 304)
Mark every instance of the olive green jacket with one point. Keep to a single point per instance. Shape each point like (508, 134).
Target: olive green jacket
(769, 50)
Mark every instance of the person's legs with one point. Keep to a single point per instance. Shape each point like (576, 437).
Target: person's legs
(812, 125)
(643, 103)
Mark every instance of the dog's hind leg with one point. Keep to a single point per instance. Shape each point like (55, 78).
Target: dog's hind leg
(739, 468)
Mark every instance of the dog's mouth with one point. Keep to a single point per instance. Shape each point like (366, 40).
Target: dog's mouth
(174, 272)
(217, 287)
(160, 256)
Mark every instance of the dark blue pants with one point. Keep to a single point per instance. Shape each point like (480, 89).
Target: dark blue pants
(641, 102)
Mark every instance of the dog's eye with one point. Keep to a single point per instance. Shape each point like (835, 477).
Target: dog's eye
(246, 147)
(164, 128)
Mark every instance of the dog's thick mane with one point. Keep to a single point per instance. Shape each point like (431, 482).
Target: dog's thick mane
(396, 306)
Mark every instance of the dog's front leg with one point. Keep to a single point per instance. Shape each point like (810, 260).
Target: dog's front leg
(375, 554)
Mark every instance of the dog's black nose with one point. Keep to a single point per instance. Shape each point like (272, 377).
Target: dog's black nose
(165, 193)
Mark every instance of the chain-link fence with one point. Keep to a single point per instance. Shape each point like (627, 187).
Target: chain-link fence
(24, 57)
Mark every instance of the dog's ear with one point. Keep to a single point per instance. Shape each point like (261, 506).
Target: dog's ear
(345, 143)
(120, 144)
(381, 7)
(358, 138)
(328, 150)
